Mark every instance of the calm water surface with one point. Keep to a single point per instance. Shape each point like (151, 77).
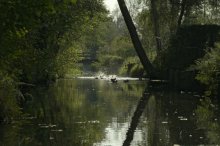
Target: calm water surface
(86, 112)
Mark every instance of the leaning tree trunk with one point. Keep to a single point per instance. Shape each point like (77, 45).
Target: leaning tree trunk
(135, 39)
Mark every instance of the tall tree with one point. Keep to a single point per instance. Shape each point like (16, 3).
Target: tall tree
(135, 39)
(155, 18)
(182, 11)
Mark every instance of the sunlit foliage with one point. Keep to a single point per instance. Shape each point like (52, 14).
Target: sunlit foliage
(209, 68)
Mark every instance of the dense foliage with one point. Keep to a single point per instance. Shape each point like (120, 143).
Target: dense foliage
(189, 44)
(169, 30)
(209, 69)
(115, 46)
(40, 41)
(47, 39)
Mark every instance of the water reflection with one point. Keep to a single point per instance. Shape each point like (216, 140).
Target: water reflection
(85, 112)
(135, 119)
(207, 114)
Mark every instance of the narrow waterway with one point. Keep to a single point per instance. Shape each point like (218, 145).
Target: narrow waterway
(89, 112)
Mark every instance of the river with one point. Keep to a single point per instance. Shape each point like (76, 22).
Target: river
(89, 112)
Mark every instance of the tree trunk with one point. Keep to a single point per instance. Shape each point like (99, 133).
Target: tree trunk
(182, 11)
(155, 18)
(135, 39)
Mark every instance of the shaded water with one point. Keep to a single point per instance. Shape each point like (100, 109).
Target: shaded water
(87, 112)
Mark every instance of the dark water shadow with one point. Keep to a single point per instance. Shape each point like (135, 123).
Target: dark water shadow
(135, 118)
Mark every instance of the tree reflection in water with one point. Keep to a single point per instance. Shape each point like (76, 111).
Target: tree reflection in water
(190, 122)
(207, 114)
(99, 113)
(135, 119)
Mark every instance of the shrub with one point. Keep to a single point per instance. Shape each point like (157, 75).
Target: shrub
(208, 67)
(131, 67)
